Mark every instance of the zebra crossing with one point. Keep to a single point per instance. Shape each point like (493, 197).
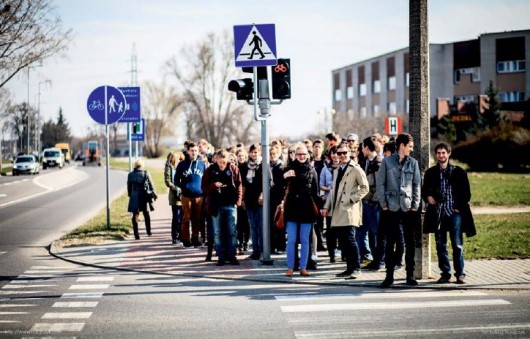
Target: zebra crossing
(31, 303)
(359, 315)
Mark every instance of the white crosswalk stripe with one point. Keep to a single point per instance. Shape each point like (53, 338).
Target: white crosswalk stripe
(347, 310)
(4, 252)
(93, 279)
(57, 327)
(89, 287)
(73, 304)
(82, 295)
(67, 315)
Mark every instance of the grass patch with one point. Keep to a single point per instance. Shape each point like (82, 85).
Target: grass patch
(499, 236)
(95, 229)
(502, 189)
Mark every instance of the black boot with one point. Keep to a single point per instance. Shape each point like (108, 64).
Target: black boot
(389, 280)
(411, 281)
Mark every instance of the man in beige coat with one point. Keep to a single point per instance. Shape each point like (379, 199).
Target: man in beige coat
(345, 207)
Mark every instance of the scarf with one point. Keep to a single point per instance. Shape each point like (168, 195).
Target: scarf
(252, 166)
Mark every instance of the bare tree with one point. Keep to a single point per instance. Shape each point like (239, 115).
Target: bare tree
(160, 108)
(202, 73)
(30, 32)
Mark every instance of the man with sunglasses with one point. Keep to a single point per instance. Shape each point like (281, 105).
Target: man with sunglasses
(344, 205)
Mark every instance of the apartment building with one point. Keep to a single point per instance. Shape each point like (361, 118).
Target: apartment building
(459, 72)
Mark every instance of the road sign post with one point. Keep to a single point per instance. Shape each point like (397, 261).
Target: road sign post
(106, 105)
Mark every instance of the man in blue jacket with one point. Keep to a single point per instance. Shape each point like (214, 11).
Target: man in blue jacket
(188, 178)
(398, 183)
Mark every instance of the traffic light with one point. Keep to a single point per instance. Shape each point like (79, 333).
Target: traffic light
(281, 79)
(244, 88)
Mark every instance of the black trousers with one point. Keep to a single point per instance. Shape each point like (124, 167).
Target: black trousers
(394, 226)
(348, 246)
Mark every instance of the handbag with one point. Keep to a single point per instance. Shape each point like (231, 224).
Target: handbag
(278, 214)
(150, 195)
(316, 211)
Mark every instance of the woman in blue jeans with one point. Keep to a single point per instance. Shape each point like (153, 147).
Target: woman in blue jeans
(299, 213)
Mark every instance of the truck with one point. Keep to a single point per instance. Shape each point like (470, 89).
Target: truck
(92, 153)
(65, 149)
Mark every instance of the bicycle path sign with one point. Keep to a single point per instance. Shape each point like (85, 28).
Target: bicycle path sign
(106, 105)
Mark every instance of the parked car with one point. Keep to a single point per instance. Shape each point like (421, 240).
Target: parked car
(25, 164)
(52, 157)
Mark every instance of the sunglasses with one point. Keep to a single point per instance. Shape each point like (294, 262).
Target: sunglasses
(301, 153)
(350, 140)
(290, 152)
(342, 153)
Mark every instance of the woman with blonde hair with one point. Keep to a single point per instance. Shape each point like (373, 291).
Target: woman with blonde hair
(137, 182)
(174, 193)
(299, 213)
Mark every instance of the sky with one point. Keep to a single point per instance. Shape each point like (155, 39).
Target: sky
(318, 36)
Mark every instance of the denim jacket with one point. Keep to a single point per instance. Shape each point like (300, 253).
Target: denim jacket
(398, 185)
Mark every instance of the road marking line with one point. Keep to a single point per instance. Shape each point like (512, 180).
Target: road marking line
(89, 287)
(50, 267)
(408, 332)
(57, 327)
(83, 295)
(390, 295)
(19, 292)
(45, 272)
(13, 313)
(85, 279)
(17, 305)
(3, 253)
(392, 305)
(9, 321)
(76, 304)
(15, 286)
(67, 315)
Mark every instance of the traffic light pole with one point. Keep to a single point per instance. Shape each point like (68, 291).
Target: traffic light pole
(262, 100)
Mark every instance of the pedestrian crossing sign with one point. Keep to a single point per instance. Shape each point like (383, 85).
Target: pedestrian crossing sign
(255, 45)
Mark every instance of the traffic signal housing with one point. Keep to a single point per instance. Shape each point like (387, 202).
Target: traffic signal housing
(281, 79)
(244, 88)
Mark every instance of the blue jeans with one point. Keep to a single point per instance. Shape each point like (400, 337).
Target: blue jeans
(225, 232)
(370, 225)
(453, 225)
(255, 219)
(292, 228)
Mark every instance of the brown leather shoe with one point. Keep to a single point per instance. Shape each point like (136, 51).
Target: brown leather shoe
(304, 273)
(289, 273)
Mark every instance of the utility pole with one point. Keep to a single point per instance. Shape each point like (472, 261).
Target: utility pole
(134, 82)
(37, 123)
(27, 111)
(419, 115)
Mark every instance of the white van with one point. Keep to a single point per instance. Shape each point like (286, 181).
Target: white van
(52, 157)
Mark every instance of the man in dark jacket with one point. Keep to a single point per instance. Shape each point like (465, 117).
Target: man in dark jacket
(188, 178)
(223, 191)
(446, 190)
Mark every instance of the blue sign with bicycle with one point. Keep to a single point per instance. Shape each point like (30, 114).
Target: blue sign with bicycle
(132, 109)
(106, 105)
(255, 45)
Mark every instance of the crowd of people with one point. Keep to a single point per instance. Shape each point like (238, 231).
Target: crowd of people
(364, 195)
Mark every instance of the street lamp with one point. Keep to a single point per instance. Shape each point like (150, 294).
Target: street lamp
(27, 106)
(37, 124)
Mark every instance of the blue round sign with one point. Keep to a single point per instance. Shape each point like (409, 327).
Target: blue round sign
(106, 105)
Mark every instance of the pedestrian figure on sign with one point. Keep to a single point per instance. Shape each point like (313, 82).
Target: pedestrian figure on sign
(257, 45)
(120, 107)
(112, 102)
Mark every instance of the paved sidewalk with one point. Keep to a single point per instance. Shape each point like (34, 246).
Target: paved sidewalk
(156, 254)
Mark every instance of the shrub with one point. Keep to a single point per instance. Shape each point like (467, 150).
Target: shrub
(505, 148)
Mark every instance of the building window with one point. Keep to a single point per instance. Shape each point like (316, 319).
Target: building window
(392, 108)
(466, 98)
(511, 96)
(362, 90)
(392, 83)
(473, 72)
(407, 79)
(363, 112)
(349, 92)
(511, 66)
(375, 109)
(377, 86)
(350, 114)
(338, 95)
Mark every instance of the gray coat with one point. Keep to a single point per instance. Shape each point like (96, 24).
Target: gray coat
(398, 185)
